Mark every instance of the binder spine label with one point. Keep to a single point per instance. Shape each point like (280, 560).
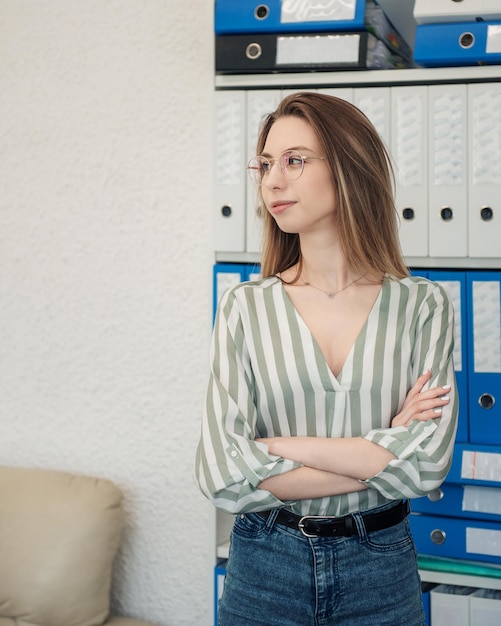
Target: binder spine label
(448, 140)
(484, 466)
(293, 11)
(493, 39)
(483, 541)
(486, 326)
(317, 49)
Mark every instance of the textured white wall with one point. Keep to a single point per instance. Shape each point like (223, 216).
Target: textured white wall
(104, 269)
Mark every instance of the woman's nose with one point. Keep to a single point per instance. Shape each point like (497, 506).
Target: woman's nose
(275, 176)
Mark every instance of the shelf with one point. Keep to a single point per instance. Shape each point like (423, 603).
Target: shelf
(480, 73)
(463, 580)
(424, 262)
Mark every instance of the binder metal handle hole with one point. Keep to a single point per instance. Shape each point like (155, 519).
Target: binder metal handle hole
(253, 51)
(466, 40)
(436, 495)
(437, 536)
(446, 213)
(487, 401)
(408, 213)
(262, 11)
(226, 211)
(486, 213)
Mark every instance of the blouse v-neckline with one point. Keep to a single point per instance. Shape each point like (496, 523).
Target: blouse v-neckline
(374, 311)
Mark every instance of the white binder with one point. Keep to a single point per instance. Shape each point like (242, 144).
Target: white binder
(484, 197)
(259, 104)
(409, 148)
(453, 11)
(230, 174)
(448, 171)
(345, 93)
(375, 103)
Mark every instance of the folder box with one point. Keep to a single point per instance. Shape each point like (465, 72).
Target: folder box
(458, 44)
(485, 607)
(449, 605)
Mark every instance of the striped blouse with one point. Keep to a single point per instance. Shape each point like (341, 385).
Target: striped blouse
(269, 378)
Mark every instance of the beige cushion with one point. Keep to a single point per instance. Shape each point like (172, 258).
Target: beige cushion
(59, 533)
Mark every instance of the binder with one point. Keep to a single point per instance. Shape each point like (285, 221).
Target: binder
(259, 104)
(461, 501)
(230, 175)
(448, 171)
(226, 275)
(485, 607)
(426, 11)
(484, 177)
(458, 43)
(409, 147)
(449, 537)
(272, 52)
(484, 349)
(454, 284)
(283, 16)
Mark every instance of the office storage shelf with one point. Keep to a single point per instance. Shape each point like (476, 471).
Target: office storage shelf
(362, 78)
(422, 262)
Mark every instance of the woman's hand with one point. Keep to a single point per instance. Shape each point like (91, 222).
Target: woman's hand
(422, 405)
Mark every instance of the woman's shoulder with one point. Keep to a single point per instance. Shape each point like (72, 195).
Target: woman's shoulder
(420, 286)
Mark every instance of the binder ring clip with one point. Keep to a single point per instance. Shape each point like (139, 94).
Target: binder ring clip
(253, 51)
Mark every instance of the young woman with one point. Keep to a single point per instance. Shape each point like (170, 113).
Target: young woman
(332, 396)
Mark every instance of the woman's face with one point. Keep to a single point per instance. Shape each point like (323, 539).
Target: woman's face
(308, 203)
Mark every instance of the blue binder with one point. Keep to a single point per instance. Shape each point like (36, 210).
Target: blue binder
(458, 43)
(484, 352)
(455, 285)
(252, 16)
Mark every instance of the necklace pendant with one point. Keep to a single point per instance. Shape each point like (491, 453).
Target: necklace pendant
(330, 294)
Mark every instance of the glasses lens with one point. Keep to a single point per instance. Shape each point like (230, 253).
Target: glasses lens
(256, 170)
(292, 164)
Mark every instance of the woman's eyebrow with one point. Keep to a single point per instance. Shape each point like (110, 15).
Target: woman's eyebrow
(297, 148)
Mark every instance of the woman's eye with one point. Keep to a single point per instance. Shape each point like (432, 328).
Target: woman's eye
(294, 161)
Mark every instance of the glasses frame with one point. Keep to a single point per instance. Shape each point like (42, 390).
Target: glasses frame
(252, 169)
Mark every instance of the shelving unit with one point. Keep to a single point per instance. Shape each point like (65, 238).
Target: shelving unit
(358, 79)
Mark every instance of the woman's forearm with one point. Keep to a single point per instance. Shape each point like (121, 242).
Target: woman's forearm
(306, 482)
(354, 457)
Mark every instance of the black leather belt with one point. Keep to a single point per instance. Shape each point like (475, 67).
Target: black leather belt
(321, 526)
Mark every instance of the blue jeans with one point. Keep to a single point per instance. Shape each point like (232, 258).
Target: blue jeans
(277, 577)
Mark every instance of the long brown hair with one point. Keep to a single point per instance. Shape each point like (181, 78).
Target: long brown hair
(363, 177)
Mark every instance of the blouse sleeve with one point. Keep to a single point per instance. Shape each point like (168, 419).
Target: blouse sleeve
(230, 464)
(423, 449)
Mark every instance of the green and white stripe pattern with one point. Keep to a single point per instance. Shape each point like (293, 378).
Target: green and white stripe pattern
(269, 378)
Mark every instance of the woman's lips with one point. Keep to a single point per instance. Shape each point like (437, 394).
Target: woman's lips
(280, 205)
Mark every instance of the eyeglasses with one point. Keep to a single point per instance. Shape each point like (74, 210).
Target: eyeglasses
(291, 163)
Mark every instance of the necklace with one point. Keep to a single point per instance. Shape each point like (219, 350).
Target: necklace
(331, 294)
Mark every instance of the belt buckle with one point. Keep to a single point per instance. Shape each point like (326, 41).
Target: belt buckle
(301, 523)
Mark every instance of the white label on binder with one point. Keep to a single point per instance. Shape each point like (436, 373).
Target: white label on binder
(448, 145)
(483, 541)
(493, 39)
(481, 466)
(486, 326)
(453, 289)
(486, 134)
(482, 499)
(317, 10)
(409, 145)
(225, 280)
(317, 49)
